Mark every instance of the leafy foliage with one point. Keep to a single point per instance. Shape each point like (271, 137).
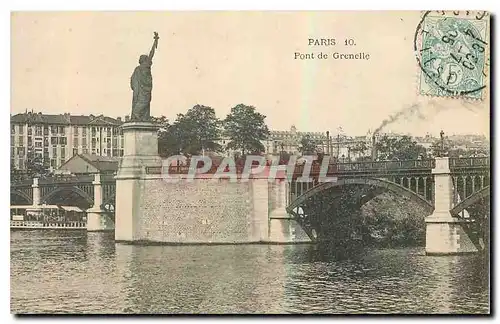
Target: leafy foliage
(192, 133)
(308, 146)
(402, 148)
(455, 152)
(245, 128)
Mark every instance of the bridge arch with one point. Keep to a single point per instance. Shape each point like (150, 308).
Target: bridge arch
(380, 184)
(471, 200)
(21, 194)
(67, 189)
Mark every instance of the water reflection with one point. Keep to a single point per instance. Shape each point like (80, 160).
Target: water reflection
(79, 272)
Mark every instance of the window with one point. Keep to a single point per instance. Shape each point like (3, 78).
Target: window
(75, 130)
(115, 152)
(108, 145)
(75, 151)
(12, 129)
(93, 151)
(115, 131)
(12, 153)
(53, 163)
(30, 130)
(53, 140)
(121, 142)
(21, 164)
(85, 150)
(61, 130)
(54, 151)
(121, 152)
(93, 132)
(61, 161)
(75, 141)
(21, 129)
(38, 130)
(93, 144)
(108, 153)
(46, 130)
(84, 141)
(46, 141)
(53, 129)
(21, 151)
(62, 141)
(84, 131)
(97, 151)
(108, 132)
(30, 141)
(12, 139)
(63, 153)
(12, 162)
(38, 144)
(115, 142)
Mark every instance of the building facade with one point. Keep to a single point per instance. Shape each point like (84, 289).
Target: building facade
(53, 139)
(289, 141)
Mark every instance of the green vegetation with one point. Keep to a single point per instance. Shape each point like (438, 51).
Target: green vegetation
(245, 128)
(388, 224)
(402, 148)
(308, 146)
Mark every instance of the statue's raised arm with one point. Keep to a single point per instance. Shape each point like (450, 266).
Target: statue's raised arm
(141, 83)
(155, 46)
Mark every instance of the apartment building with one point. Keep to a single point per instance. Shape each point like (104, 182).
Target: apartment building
(56, 138)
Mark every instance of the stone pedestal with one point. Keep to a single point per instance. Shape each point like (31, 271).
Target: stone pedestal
(140, 152)
(282, 228)
(444, 233)
(99, 221)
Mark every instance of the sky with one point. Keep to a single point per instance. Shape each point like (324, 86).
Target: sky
(81, 63)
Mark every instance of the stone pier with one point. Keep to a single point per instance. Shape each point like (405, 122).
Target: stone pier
(36, 209)
(97, 218)
(444, 233)
(140, 152)
(199, 210)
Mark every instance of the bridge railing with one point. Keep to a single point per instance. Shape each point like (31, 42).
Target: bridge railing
(66, 179)
(386, 165)
(316, 168)
(470, 162)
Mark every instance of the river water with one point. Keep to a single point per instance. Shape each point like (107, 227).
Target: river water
(80, 272)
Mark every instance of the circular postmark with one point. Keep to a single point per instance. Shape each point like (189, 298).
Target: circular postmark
(451, 51)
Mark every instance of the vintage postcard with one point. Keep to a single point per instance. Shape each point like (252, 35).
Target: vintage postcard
(250, 162)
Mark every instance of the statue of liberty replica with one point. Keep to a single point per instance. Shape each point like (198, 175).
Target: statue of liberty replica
(141, 83)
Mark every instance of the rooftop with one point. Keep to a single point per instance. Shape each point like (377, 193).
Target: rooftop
(64, 119)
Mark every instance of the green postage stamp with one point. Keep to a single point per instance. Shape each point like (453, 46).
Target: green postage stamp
(452, 50)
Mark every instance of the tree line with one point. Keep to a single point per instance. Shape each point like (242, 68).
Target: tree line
(199, 130)
(243, 130)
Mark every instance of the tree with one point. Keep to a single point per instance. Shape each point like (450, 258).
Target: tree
(308, 146)
(34, 164)
(402, 148)
(245, 128)
(191, 134)
(456, 152)
(162, 121)
(359, 149)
